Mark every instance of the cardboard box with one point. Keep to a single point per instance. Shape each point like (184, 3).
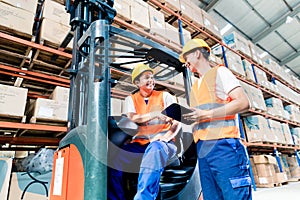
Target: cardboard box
(255, 127)
(16, 18)
(249, 71)
(116, 107)
(138, 7)
(275, 106)
(54, 32)
(5, 169)
(287, 133)
(265, 170)
(60, 94)
(36, 191)
(28, 5)
(174, 4)
(172, 33)
(210, 23)
(234, 62)
(56, 12)
(237, 42)
(281, 177)
(157, 21)
(12, 100)
(48, 109)
(264, 159)
(123, 8)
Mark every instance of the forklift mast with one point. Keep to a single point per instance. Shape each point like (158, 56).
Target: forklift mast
(80, 163)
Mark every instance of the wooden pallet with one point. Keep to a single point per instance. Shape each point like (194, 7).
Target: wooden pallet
(270, 185)
(296, 179)
(34, 120)
(9, 118)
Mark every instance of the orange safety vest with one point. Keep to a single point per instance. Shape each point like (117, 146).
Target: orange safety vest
(153, 127)
(205, 98)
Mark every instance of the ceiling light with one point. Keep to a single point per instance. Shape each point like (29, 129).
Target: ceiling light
(289, 20)
(287, 70)
(263, 54)
(225, 29)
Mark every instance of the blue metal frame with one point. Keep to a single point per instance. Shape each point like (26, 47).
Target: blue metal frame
(278, 160)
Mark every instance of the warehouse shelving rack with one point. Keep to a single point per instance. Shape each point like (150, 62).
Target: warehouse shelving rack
(60, 78)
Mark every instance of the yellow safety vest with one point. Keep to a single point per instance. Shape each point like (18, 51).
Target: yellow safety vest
(152, 127)
(205, 98)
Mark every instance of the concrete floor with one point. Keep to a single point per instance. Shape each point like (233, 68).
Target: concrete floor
(291, 191)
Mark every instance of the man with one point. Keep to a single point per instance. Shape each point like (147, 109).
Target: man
(216, 98)
(152, 147)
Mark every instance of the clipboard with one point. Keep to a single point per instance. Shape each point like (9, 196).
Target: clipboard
(175, 111)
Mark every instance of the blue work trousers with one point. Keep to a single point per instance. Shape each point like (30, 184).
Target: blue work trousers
(224, 170)
(149, 160)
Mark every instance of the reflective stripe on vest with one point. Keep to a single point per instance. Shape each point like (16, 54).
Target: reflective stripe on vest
(204, 97)
(152, 128)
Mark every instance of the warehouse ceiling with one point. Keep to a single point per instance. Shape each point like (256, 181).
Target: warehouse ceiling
(273, 25)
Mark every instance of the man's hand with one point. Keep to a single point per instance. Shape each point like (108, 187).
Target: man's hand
(198, 115)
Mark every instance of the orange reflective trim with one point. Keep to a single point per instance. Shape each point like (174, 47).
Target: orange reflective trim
(216, 133)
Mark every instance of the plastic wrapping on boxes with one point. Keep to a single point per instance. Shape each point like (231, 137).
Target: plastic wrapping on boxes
(294, 112)
(255, 127)
(274, 107)
(287, 133)
(237, 42)
(5, 170)
(234, 62)
(255, 96)
(41, 162)
(296, 135)
(276, 130)
(249, 71)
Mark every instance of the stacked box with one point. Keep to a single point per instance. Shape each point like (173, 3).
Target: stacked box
(210, 23)
(60, 94)
(249, 71)
(174, 4)
(275, 107)
(261, 77)
(12, 101)
(294, 112)
(266, 174)
(296, 82)
(296, 135)
(237, 42)
(5, 168)
(186, 35)
(287, 134)
(285, 165)
(215, 60)
(278, 70)
(186, 8)
(287, 92)
(28, 5)
(36, 191)
(255, 96)
(137, 7)
(293, 166)
(123, 8)
(55, 24)
(172, 33)
(157, 21)
(48, 110)
(17, 19)
(234, 62)
(276, 129)
(116, 107)
(255, 53)
(255, 128)
(197, 16)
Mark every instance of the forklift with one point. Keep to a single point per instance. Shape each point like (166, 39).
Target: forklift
(101, 56)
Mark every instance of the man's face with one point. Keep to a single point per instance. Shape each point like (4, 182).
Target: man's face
(146, 81)
(191, 60)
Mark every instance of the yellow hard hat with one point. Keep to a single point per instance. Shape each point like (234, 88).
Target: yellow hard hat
(193, 44)
(139, 69)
